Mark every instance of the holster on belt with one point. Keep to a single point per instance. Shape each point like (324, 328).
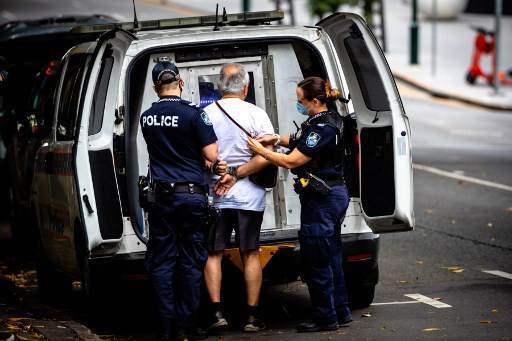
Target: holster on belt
(311, 183)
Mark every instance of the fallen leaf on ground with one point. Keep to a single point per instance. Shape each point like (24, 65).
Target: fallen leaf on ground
(455, 269)
(431, 329)
(419, 262)
(366, 315)
(494, 311)
(438, 298)
(486, 321)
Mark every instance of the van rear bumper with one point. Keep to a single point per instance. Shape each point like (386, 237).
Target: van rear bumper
(360, 261)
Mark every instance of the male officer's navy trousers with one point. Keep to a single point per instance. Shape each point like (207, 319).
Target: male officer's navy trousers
(175, 258)
(321, 256)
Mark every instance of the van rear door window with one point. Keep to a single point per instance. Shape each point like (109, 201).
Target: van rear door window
(209, 89)
(70, 98)
(100, 92)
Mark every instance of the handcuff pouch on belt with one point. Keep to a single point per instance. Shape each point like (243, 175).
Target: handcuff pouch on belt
(147, 194)
(309, 183)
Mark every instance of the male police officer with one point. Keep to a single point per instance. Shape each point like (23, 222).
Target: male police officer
(179, 137)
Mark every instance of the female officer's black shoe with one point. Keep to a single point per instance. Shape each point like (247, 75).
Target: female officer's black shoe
(344, 316)
(312, 326)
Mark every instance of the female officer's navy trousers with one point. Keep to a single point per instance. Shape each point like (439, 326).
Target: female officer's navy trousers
(175, 258)
(321, 253)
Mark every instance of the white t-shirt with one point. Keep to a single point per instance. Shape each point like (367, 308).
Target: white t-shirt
(233, 149)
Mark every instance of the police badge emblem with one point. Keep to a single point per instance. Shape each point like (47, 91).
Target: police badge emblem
(206, 119)
(312, 139)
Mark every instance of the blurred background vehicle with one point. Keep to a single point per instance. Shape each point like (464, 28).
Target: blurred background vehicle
(30, 51)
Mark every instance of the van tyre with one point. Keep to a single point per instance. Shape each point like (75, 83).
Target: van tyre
(52, 284)
(360, 297)
(82, 258)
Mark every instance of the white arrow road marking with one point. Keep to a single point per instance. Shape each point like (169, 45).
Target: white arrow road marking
(428, 300)
(498, 273)
(418, 299)
(462, 177)
(396, 302)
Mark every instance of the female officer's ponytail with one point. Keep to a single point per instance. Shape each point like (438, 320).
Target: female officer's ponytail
(331, 93)
(316, 87)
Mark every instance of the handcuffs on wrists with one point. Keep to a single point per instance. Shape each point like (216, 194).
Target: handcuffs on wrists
(231, 170)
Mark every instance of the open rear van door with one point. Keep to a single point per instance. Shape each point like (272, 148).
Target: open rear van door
(97, 188)
(386, 180)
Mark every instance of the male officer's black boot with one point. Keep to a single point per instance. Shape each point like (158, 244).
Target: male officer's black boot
(315, 326)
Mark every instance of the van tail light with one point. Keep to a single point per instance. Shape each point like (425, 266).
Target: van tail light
(360, 257)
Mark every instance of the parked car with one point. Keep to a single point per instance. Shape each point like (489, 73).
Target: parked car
(85, 196)
(33, 123)
(32, 50)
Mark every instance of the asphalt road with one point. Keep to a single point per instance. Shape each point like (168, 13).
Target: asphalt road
(450, 278)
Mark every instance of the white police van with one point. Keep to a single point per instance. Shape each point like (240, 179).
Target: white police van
(85, 196)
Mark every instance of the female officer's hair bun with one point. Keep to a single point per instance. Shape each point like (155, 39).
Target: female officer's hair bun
(319, 88)
(331, 94)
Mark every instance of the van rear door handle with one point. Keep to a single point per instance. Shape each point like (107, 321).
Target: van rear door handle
(88, 204)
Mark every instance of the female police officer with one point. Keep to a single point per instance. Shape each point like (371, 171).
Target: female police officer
(316, 158)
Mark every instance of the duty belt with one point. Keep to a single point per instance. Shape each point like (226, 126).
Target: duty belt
(337, 182)
(165, 187)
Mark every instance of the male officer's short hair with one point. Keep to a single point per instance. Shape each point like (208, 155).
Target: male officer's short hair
(165, 73)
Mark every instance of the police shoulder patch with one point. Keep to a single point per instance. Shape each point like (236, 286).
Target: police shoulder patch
(312, 139)
(206, 119)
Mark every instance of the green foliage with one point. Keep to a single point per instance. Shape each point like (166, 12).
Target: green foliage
(322, 7)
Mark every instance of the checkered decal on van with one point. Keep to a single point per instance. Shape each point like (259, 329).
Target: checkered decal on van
(61, 164)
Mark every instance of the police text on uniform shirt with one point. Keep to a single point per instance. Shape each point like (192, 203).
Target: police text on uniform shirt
(160, 120)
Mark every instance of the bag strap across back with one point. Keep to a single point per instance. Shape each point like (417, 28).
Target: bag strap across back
(231, 118)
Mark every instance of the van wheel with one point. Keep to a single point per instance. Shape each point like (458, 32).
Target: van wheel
(360, 297)
(82, 258)
(52, 284)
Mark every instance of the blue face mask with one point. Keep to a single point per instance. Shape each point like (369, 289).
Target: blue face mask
(303, 110)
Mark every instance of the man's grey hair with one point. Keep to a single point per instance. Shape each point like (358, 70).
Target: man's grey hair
(233, 83)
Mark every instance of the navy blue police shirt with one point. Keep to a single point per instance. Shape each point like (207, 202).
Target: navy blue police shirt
(320, 143)
(175, 130)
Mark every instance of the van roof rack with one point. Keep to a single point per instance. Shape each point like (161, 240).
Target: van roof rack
(246, 18)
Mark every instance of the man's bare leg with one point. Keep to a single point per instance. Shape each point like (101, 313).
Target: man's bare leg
(213, 280)
(253, 277)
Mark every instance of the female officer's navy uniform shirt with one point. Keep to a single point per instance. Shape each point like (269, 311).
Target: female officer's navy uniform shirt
(321, 143)
(175, 130)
